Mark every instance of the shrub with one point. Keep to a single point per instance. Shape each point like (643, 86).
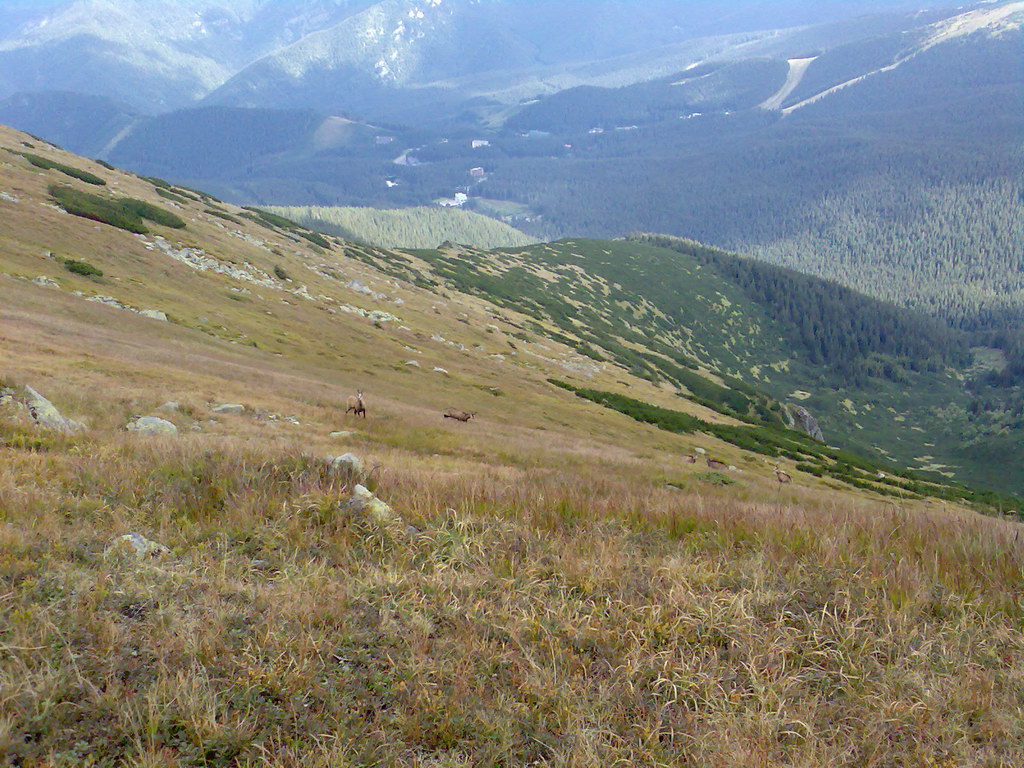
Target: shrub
(67, 170)
(83, 268)
(274, 219)
(222, 215)
(316, 238)
(167, 195)
(281, 274)
(124, 213)
(715, 478)
(97, 209)
(157, 182)
(145, 210)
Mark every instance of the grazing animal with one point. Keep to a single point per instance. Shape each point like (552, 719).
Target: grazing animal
(716, 464)
(356, 404)
(783, 477)
(462, 416)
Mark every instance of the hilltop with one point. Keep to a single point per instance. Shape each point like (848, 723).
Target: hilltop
(549, 583)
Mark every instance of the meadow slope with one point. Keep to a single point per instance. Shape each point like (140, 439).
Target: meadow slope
(553, 585)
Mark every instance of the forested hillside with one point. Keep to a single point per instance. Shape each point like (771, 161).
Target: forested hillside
(420, 227)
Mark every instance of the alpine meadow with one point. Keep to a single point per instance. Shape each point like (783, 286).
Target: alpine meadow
(472, 383)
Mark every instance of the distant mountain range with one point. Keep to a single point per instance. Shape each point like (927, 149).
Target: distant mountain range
(162, 54)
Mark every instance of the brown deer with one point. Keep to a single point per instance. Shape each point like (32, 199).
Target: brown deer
(716, 464)
(462, 416)
(356, 404)
(783, 477)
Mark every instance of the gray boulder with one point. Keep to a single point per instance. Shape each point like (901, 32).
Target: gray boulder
(233, 409)
(150, 425)
(137, 545)
(46, 282)
(365, 502)
(154, 314)
(799, 418)
(348, 464)
(46, 414)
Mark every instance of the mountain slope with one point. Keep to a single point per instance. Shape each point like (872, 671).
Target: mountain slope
(550, 582)
(596, 315)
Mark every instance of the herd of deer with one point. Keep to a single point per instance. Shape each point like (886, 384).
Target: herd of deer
(784, 478)
(357, 407)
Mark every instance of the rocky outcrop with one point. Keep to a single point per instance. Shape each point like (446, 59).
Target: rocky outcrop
(150, 425)
(800, 419)
(233, 409)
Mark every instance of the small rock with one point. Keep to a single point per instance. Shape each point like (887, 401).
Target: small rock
(364, 501)
(46, 282)
(700, 451)
(150, 425)
(170, 407)
(412, 364)
(154, 314)
(229, 408)
(140, 546)
(347, 464)
(108, 301)
(442, 371)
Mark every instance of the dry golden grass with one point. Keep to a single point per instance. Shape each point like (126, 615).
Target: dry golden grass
(509, 617)
(542, 598)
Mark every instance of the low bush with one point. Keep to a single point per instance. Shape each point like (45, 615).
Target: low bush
(97, 209)
(83, 268)
(168, 195)
(124, 213)
(67, 170)
(150, 212)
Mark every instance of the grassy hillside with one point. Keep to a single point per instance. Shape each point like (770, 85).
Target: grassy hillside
(552, 583)
(882, 381)
(422, 227)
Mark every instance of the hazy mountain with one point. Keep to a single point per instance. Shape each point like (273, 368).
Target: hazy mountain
(158, 54)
